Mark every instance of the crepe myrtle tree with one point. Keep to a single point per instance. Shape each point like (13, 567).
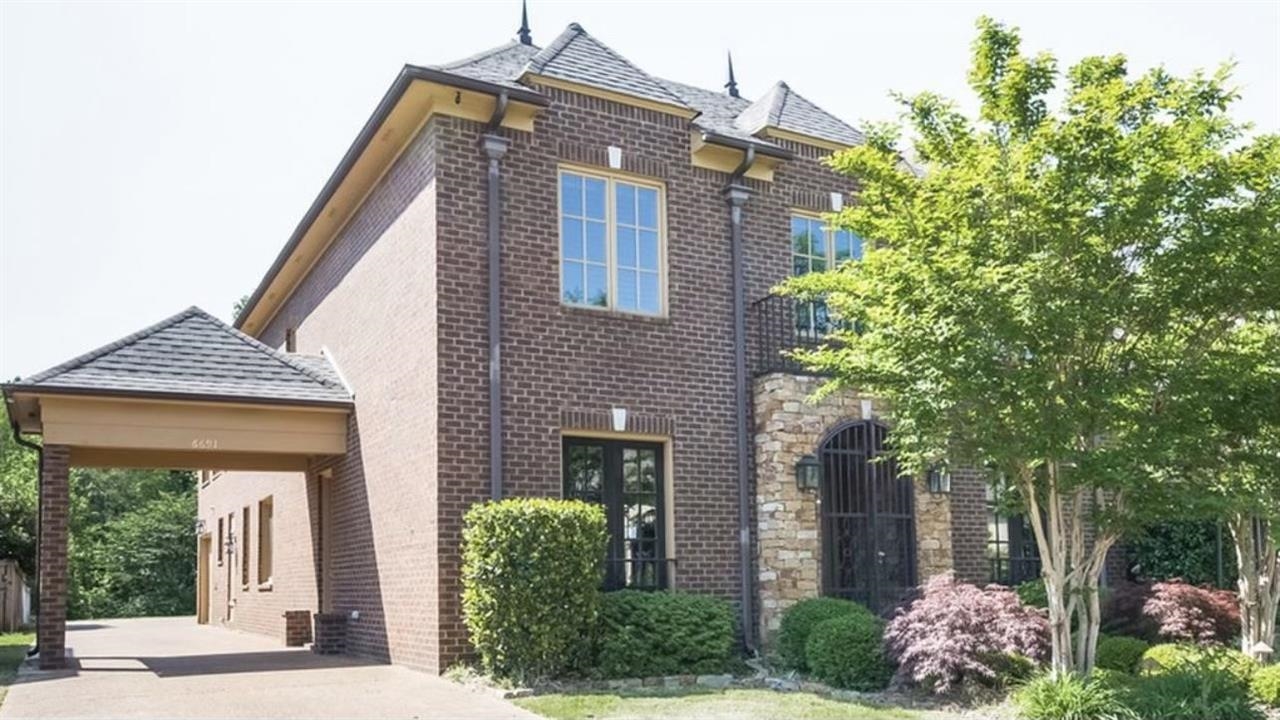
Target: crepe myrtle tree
(1040, 284)
(1228, 418)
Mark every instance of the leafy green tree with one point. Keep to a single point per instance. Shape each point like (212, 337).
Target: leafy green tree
(17, 498)
(139, 563)
(1228, 417)
(1038, 293)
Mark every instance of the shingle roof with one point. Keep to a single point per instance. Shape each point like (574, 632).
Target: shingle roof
(786, 109)
(577, 56)
(717, 110)
(501, 65)
(193, 354)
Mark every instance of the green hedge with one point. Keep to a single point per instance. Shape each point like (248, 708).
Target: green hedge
(848, 652)
(649, 634)
(799, 620)
(531, 576)
(1196, 660)
(1266, 685)
(1117, 652)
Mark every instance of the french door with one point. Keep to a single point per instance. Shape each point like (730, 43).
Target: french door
(625, 477)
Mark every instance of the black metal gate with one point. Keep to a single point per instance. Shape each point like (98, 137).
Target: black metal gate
(868, 519)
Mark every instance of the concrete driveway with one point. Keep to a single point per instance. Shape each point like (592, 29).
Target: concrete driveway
(174, 668)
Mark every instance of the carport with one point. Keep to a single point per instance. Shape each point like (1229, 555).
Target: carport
(189, 392)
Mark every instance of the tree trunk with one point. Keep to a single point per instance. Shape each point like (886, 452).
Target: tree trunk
(1259, 584)
(1071, 570)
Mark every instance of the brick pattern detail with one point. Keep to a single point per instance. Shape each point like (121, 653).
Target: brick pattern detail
(602, 420)
(55, 508)
(297, 627)
(331, 634)
(260, 607)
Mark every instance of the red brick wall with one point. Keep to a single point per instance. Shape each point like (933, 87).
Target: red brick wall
(256, 607)
(400, 300)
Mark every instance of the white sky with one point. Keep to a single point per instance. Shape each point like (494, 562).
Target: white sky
(155, 156)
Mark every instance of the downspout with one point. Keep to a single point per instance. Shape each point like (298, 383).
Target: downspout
(495, 146)
(35, 574)
(736, 195)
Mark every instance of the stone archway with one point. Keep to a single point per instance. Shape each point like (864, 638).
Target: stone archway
(788, 534)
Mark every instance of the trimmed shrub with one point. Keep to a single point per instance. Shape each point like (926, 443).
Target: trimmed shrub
(647, 634)
(1032, 593)
(1266, 685)
(1116, 652)
(531, 575)
(1192, 692)
(956, 632)
(1172, 611)
(1070, 697)
(848, 652)
(1169, 658)
(800, 619)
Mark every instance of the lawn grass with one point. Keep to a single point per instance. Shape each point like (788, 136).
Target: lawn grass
(706, 704)
(13, 650)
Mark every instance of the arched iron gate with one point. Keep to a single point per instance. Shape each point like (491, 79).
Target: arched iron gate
(868, 519)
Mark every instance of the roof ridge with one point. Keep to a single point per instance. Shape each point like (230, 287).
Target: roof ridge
(253, 342)
(557, 46)
(575, 31)
(110, 347)
(782, 91)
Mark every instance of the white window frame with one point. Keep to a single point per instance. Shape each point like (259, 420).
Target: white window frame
(611, 237)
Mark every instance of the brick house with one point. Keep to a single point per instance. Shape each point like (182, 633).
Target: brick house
(545, 272)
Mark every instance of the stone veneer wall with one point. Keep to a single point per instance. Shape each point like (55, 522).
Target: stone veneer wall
(787, 427)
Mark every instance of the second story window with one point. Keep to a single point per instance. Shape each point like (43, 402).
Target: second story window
(611, 243)
(815, 247)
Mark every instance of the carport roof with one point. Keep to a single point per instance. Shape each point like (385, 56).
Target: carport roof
(193, 356)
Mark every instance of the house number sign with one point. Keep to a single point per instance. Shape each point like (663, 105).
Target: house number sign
(204, 444)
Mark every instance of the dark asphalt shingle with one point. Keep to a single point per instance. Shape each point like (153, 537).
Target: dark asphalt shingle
(579, 57)
(195, 354)
(784, 108)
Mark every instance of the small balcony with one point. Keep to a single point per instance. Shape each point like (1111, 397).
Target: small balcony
(782, 324)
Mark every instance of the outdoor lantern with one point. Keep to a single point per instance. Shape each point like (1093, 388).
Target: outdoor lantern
(939, 479)
(808, 473)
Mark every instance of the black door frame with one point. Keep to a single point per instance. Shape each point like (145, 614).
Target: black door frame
(863, 462)
(613, 501)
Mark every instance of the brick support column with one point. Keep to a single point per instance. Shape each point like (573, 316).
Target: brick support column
(55, 506)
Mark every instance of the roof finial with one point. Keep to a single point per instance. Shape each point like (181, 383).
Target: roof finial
(525, 37)
(732, 85)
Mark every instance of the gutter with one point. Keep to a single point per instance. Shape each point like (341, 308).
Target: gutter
(35, 575)
(740, 144)
(495, 146)
(736, 195)
(367, 135)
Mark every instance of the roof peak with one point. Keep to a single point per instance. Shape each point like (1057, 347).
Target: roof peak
(578, 56)
(191, 353)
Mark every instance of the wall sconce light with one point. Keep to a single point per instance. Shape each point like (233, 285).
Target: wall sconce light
(808, 473)
(199, 527)
(939, 479)
(619, 417)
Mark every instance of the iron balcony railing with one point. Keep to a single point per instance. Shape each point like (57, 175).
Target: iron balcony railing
(783, 324)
